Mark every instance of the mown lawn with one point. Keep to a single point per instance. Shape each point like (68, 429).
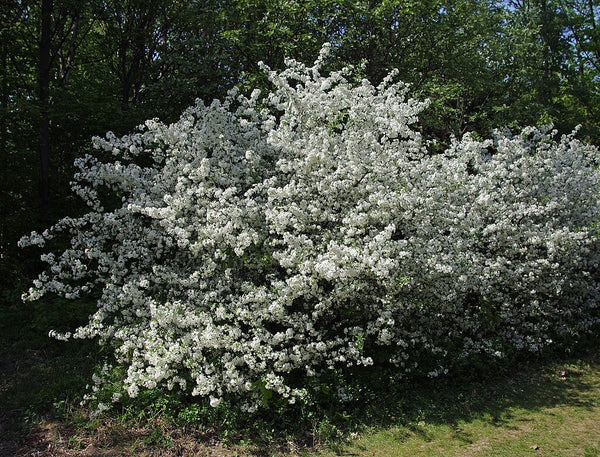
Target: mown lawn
(548, 407)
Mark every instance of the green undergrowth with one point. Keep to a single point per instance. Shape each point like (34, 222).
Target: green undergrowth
(506, 408)
(41, 378)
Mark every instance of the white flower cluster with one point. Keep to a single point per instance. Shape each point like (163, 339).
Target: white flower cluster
(259, 242)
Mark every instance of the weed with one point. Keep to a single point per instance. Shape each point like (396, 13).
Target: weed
(158, 437)
(75, 443)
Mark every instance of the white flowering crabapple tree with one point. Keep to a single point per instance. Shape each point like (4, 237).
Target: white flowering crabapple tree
(260, 242)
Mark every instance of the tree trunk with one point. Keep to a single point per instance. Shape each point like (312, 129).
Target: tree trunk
(4, 114)
(3, 143)
(44, 76)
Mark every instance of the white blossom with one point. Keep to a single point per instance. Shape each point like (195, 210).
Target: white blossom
(255, 244)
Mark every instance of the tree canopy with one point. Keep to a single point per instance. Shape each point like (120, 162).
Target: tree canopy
(71, 70)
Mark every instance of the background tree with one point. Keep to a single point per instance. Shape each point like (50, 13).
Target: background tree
(582, 18)
(44, 83)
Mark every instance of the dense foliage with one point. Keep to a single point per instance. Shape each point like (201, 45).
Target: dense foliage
(259, 243)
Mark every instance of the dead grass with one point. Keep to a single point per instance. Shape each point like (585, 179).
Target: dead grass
(107, 439)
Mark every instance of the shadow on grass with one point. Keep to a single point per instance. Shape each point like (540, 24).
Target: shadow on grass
(453, 399)
(404, 408)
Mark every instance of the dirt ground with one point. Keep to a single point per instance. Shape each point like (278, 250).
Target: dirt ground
(53, 439)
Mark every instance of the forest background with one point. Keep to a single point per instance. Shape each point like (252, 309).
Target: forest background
(73, 69)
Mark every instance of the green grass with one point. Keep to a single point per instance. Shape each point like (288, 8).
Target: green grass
(550, 409)
(547, 407)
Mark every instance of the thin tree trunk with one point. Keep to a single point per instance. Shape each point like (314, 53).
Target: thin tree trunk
(3, 124)
(3, 142)
(44, 109)
(68, 63)
(4, 121)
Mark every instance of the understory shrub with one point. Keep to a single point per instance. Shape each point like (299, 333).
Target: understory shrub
(262, 242)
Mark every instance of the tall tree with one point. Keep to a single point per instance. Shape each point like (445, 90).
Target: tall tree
(44, 81)
(583, 32)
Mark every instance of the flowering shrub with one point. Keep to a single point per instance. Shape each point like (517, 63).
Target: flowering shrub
(259, 242)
